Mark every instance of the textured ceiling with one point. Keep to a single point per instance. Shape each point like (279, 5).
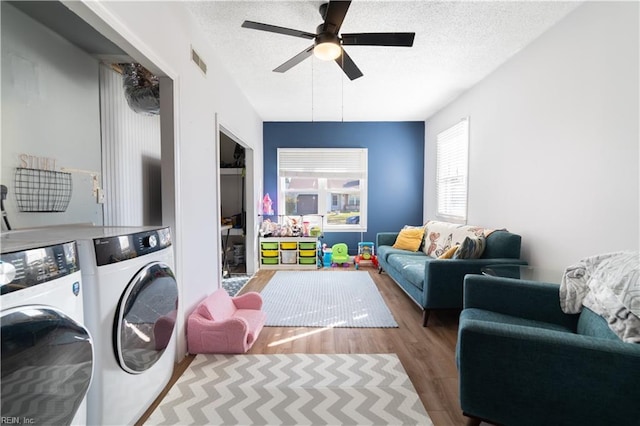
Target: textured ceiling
(457, 44)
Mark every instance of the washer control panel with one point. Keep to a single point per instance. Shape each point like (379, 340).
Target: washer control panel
(27, 268)
(123, 247)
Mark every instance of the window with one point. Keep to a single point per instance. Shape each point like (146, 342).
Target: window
(331, 182)
(452, 156)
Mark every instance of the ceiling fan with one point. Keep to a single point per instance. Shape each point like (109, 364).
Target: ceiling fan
(327, 44)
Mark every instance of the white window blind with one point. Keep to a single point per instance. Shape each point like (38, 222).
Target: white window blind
(322, 162)
(452, 157)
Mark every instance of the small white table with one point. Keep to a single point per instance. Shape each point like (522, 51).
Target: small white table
(522, 272)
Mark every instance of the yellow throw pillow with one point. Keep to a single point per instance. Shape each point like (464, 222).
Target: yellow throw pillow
(409, 239)
(449, 253)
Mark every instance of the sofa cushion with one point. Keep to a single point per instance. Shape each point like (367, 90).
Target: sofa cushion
(592, 324)
(409, 238)
(410, 267)
(383, 252)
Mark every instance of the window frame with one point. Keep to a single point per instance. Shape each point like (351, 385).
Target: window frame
(325, 164)
(452, 172)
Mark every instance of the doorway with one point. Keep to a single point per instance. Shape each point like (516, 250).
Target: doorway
(233, 204)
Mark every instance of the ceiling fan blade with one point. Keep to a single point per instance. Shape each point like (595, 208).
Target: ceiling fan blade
(378, 39)
(348, 66)
(336, 11)
(278, 30)
(295, 60)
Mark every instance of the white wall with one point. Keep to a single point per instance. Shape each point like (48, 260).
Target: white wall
(50, 109)
(554, 140)
(163, 33)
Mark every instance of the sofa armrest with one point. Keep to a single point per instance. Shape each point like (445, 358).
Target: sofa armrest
(250, 300)
(474, 264)
(547, 376)
(444, 279)
(526, 299)
(386, 238)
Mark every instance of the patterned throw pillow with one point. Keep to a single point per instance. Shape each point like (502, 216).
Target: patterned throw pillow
(431, 243)
(409, 239)
(471, 248)
(441, 236)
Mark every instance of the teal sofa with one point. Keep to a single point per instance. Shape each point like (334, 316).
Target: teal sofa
(437, 283)
(522, 361)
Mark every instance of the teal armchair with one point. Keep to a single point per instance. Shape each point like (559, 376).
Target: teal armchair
(522, 361)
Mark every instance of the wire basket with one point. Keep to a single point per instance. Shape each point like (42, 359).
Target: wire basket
(42, 190)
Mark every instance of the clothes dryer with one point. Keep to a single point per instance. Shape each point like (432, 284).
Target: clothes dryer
(131, 301)
(47, 352)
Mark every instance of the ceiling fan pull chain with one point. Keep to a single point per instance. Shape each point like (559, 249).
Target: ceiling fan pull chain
(342, 89)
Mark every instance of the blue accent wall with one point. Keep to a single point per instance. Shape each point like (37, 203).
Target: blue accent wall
(396, 168)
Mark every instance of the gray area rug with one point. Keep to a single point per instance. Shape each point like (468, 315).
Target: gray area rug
(295, 389)
(235, 283)
(324, 299)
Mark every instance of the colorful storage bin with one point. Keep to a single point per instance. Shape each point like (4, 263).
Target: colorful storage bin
(269, 261)
(269, 246)
(307, 261)
(307, 246)
(307, 253)
(269, 253)
(288, 245)
(289, 257)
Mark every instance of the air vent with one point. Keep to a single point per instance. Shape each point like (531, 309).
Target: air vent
(198, 60)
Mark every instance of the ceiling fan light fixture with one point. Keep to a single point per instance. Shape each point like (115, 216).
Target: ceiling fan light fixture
(327, 47)
(327, 51)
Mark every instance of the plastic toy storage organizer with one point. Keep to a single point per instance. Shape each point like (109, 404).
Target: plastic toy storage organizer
(288, 252)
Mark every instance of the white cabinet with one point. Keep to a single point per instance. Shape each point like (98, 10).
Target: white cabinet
(288, 253)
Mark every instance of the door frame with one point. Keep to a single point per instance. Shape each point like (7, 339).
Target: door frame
(250, 207)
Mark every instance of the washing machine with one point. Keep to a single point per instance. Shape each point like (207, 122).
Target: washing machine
(130, 307)
(130, 301)
(47, 351)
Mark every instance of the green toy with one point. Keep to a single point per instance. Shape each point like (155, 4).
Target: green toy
(340, 255)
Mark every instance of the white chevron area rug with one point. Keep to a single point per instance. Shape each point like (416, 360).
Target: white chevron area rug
(292, 389)
(324, 299)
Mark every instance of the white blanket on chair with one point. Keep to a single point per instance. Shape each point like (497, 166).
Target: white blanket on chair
(609, 285)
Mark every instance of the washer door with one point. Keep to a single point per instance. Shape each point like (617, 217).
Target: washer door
(145, 318)
(47, 364)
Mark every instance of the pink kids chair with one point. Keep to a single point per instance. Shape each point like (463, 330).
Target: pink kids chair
(223, 324)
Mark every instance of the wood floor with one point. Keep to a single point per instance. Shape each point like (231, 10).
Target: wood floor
(427, 353)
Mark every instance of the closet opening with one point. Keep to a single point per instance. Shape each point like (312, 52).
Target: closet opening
(233, 205)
